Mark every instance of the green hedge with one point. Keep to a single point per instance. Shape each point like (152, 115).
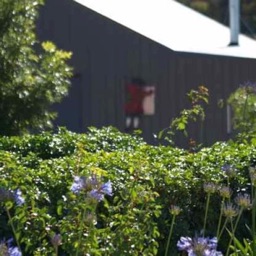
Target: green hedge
(146, 181)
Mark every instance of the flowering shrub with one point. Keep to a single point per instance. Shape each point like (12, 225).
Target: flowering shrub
(108, 193)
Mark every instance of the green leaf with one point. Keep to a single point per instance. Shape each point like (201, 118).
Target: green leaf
(181, 126)
(59, 209)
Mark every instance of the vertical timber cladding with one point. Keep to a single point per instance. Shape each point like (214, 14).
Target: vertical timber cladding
(105, 44)
(145, 72)
(80, 44)
(222, 75)
(109, 87)
(166, 89)
(108, 54)
(98, 62)
(57, 27)
(154, 64)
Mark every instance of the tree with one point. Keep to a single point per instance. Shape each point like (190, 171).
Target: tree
(33, 76)
(243, 104)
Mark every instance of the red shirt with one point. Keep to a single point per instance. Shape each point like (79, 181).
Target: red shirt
(135, 96)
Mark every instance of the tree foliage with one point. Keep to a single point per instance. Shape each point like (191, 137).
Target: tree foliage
(33, 76)
(243, 103)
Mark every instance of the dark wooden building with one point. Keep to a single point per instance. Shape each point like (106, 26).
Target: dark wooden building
(162, 42)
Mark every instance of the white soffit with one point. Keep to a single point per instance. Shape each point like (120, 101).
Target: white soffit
(173, 25)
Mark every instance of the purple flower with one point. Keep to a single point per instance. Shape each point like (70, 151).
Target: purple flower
(92, 181)
(83, 183)
(18, 197)
(14, 251)
(7, 249)
(229, 170)
(199, 246)
(105, 189)
(92, 186)
(9, 195)
(185, 243)
(210, 188)
(244, 201)
(212, 243)
(78, 184)
(97, 195)
(56, 240)
(225, 192)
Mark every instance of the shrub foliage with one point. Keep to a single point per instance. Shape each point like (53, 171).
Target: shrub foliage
(146, 181)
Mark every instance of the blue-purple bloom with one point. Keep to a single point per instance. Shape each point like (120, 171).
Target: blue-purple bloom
(18, 197)
(83, 183)
(56, 240)
(229, 170)
(97, 195)
(7, 249)
(92, 186)
(225, 192)
(14, 251)
(229, 210)
(78, 184)
(105, 189)
(244, 201)
(199, 246)
(9, 195)
(210, 188)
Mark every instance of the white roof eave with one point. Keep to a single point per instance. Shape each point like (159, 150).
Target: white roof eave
(173, 25)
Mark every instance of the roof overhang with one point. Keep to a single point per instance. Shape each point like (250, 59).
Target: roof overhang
(173, 25)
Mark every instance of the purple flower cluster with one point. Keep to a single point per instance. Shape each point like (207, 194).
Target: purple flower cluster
(6, 248)
(199, 246)
(18, 197)
(78, 184)
(229, 170)
(9, 195)
(105, 189)
(92, 186)
(14, 251)
(56, 240)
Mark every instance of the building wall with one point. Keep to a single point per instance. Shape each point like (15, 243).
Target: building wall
(106, 55)
(221, 75)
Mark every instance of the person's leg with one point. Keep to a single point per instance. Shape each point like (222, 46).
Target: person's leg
(128, 122)
(136, 122)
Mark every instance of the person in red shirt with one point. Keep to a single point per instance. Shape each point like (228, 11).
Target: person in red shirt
(135, 93)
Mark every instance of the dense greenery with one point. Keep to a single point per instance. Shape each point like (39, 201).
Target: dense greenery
(104, 192)
(146, 181)
(32, 76)
(243, 106)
